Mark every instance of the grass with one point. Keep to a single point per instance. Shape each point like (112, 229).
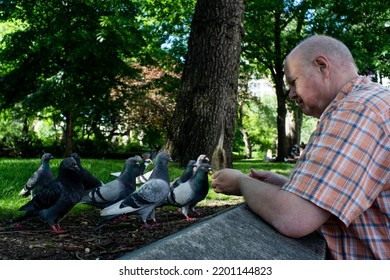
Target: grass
(15, 172)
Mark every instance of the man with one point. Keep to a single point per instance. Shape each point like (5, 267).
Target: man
(340, 185)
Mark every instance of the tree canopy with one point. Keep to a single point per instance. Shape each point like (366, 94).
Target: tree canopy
(86, 65)
(69, 55)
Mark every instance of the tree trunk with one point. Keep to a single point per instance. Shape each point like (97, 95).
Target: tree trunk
(293, 128)
(281, 122)
(280, 90)
(205, 113)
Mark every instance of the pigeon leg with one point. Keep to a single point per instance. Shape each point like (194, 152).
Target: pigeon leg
(57, 229)
(155, 224)
(197, 212)
(150, 226)
(184, 211)
(146, 225)
(188, 218)
(18, 226)
(153, 217)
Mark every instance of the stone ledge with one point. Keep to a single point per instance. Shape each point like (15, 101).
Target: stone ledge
(233, 234)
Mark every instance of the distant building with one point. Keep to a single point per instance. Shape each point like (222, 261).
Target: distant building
(261, 88)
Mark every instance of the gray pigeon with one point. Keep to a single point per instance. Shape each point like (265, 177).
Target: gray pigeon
(143, 201)
(58, 197)
(39, 178)
(139, 172)
(89, 180)
(160, 170)
(115, 190)
(187, 174)
(189, 193)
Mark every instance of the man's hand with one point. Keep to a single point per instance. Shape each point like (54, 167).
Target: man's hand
(227, 181)
(268, 177)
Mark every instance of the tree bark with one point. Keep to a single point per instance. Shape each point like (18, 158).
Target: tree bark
(280, 90)
(293, 128)
(205, 113)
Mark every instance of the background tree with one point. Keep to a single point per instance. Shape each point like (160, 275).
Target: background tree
(68, 56)
(243, 98)
(364, 27)
(81, 63)
(273, 28)
(205, 112)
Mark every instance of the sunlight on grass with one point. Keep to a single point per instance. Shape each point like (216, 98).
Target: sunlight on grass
(15, 172)
(278, 167)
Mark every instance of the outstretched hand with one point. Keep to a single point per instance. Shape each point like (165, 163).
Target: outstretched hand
(227, 181)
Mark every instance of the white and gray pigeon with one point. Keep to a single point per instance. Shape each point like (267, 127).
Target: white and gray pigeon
(143, 177)
(89, 180)
(58, 197)
(188, 194)
(142, 202)
(201, 159)
(39, 178)
(139, 173)
(186, 175)
(146, 198)
(114, 190)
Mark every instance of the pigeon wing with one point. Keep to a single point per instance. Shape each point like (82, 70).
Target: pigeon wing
(30, 184)
(45, 198)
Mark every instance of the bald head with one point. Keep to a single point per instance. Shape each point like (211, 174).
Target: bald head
(333, 49)
(316, 70)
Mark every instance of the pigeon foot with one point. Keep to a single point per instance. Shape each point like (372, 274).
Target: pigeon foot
(58, 229)
(150, 226)
(18, 226)
(189, 219)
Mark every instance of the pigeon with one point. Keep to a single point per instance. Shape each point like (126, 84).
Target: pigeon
(187, 174)
(89, 180)
(146, 161)
(118, 189)
(142, 202)
(58, 197)
(139, 172)
(201, 159)
(146, 198)
(144, 177)
(188, 194)
(160, 170)
(39, 178)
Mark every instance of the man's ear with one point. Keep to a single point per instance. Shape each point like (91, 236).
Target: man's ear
(323, 64)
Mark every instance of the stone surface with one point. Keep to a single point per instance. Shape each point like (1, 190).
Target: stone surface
(236, 233)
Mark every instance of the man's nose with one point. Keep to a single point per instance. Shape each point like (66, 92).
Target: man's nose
(292, 94)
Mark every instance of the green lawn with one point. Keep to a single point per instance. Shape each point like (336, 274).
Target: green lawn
(15, 172)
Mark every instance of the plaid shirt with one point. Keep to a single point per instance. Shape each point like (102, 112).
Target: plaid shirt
(345, 170)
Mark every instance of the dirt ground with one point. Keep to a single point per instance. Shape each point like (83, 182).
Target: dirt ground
(35, 240)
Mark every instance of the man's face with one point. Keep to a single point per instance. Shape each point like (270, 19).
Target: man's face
(306, 86)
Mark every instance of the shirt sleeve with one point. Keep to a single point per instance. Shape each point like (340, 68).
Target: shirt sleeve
(343, 166)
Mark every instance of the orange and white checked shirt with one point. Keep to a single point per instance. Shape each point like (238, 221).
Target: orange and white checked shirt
(345, 169)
